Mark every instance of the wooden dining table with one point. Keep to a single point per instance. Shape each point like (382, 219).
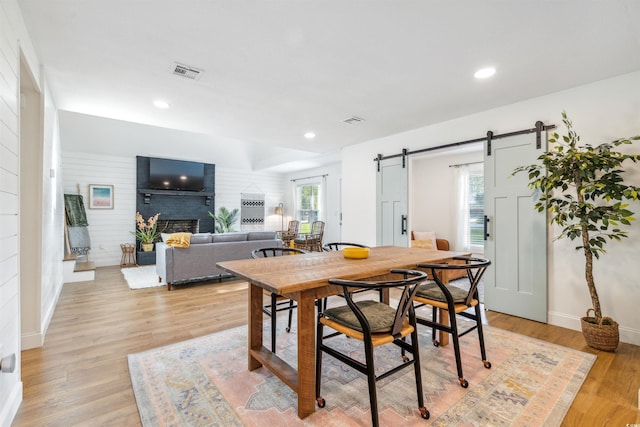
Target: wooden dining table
(305, 279)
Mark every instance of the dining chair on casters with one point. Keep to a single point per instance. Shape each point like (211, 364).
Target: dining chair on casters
(277, 302)
(338, 246)
(455, 301)
(375, 324)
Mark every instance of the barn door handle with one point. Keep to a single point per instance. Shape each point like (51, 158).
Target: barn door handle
(486, 227)
(403, 224)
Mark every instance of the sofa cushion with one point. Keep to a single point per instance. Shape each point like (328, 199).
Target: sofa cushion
(261, 235)
(199, 238)
(229, 237)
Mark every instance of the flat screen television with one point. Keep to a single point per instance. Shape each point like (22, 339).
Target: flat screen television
(167, 174)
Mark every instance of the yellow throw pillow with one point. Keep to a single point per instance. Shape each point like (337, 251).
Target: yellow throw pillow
(179, 240)
(423, 244)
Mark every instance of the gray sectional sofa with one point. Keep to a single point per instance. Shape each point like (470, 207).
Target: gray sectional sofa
(198, 261)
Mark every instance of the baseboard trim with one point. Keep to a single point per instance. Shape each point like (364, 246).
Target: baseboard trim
(627, 335)
(10, 405)
(31, 340)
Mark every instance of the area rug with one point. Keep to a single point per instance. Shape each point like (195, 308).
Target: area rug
(141, 277)
(205, 382)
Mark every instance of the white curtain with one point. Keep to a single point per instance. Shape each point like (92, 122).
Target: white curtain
(294, 201)
(323, 199)
(461, 230)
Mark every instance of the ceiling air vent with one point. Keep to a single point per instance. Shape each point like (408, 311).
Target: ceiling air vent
(186, 71)
(352, 120)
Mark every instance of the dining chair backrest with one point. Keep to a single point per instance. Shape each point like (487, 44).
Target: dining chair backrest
(409, 284)
(474, 267)
(338, 246)
(271, 252)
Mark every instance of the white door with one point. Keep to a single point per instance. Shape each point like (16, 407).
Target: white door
(391, 203)
(516, 282)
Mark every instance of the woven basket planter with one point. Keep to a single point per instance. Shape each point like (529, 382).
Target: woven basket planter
(601, 336)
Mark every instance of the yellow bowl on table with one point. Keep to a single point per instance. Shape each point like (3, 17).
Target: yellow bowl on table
(355, 253)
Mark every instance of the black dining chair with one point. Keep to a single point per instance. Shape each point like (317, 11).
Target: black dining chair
(375, 324)
(456, 301)
(338, 246)
(277, 302)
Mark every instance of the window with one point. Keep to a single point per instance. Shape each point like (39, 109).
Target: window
(308, 205)
(469, 208)
(476, 209)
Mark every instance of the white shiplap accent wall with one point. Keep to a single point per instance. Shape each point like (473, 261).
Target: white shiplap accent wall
(231, 183)
(109, 228)
(11, 30)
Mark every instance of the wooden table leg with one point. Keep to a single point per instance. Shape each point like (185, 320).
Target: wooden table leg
(255, 324)
(306, 355)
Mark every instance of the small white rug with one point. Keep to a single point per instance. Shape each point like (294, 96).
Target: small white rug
(141, 277)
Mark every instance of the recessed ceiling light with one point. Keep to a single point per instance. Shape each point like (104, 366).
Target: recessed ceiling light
(309, 135)
(483, 73)
(161, 104)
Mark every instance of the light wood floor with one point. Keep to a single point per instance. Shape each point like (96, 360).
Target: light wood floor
(80, 377)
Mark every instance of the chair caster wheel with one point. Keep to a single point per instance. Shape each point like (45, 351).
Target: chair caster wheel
(487, 364)
(464, 383)
(424, 413)
(405, 359)
(287, 329)
(321, 402)
(436, 343)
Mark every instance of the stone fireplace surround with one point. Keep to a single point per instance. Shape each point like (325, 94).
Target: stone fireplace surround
(180, 211)
(179, 225)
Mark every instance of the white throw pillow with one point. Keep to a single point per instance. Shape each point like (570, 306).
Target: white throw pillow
(426, 235)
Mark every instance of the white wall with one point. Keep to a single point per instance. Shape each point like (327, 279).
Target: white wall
(108, 228)
(14, 42)
(332, 230)
(601, 111)
(10, 384)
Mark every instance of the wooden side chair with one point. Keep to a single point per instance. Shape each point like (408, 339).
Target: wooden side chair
(456, 301)
(277, 302)
(313, 240)
(291, 233)
(375, 324)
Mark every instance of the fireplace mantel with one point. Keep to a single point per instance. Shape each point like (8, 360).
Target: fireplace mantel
(147, 192)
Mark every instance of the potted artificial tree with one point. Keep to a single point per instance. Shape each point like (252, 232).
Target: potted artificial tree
(583, 190)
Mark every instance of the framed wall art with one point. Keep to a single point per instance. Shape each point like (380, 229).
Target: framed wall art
(100, 196)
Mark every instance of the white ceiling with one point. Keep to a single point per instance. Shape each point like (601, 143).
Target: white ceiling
(275, 69)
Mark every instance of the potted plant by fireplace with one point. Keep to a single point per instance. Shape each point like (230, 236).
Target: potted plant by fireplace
(146, 231)
(582, 189)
